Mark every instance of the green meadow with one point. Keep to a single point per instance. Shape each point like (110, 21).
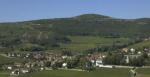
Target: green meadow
(4, 74)
(81, 43)
(97, 73)
(7, 60)
(141, 45)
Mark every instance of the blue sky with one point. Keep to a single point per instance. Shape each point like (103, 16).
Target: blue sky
(19, 10)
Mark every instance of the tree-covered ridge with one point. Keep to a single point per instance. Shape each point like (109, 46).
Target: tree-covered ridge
(44, 34)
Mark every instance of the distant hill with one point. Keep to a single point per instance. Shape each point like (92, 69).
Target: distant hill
(50, 32)
(89, 24)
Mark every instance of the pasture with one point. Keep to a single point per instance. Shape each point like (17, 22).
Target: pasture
(81, 43)
(97, 73)
(7, 60)
(4, 74)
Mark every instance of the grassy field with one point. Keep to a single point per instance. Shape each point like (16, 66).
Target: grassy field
(144, 73)
(81, 43)
(97, 73)
(5, 60)
(4, 74)
(141, 45)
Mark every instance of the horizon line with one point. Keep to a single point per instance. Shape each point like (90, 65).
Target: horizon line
(44, 18)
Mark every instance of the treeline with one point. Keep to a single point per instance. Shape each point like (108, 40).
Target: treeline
(119, 59)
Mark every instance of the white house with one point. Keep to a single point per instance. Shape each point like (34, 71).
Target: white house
(99, 62)
(64, 57)
(132, 50)
(15, 72)
(139, 52)
(64, 65)
(41, 69)
(24, 71)
(9, 68)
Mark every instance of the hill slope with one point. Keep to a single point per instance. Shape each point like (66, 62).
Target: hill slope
(38, 35)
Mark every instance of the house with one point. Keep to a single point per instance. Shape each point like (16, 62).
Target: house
(18, 65)
(99, 62)
(64, 65)
(64, 57)
(125, 50)
(9, 68)
(27, 65)
(132, 50)
(146, 49)
(15, 72)
(27, 55)
(24, 71)
(96, 59)
(10, 54)
(18, 55)
(139, 52)
(41, 69)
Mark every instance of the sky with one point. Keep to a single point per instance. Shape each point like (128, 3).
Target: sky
(22, 10)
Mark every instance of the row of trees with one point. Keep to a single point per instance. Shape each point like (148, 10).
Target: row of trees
(119, 59)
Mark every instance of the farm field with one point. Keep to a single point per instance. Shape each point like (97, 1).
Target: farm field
(81, 43)
(97, 73)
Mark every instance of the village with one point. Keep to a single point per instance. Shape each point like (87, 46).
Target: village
(40, 61)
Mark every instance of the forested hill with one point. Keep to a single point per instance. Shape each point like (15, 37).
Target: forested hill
(49, 32)
(87, 24)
